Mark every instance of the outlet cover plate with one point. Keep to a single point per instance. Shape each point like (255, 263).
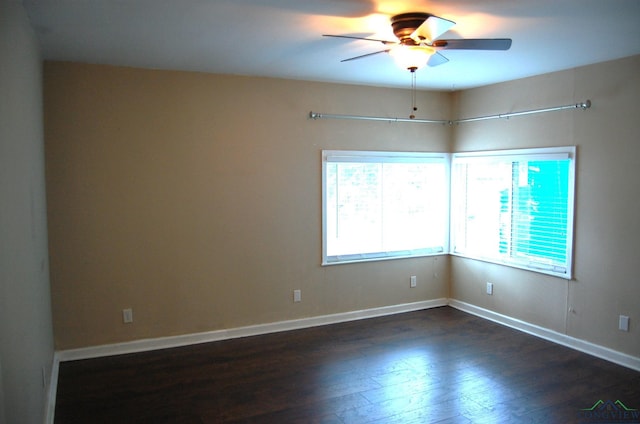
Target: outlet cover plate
(623, 323)
(127, 316)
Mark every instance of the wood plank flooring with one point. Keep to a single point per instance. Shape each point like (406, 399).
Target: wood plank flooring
(435, 366)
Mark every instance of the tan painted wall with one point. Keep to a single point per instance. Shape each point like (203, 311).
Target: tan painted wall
(606, 282)
(195, 199)
(26, 333)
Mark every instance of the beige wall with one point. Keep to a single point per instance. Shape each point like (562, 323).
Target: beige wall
(195, 199)
(26, 334)
(607, 136)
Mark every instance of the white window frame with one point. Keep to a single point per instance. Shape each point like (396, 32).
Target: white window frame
(329, 156)
(566, 152)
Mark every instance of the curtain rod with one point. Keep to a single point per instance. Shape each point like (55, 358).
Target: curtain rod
(315, 115)
(582, 105)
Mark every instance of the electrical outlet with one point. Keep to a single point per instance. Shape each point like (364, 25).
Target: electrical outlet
(489, 288)
(623, 323)
(413, 281)
(297, 295)
(127, 316)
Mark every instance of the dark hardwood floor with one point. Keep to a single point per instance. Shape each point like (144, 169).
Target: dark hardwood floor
(434, 366)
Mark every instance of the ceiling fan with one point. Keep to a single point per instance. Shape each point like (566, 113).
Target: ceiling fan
(417, 41)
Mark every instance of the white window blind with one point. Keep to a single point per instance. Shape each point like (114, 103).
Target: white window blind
(515, 207)
(383, 205)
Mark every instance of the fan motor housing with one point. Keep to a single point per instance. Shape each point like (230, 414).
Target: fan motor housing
(405, 24)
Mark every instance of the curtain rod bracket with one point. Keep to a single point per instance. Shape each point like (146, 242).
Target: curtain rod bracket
(584, 105)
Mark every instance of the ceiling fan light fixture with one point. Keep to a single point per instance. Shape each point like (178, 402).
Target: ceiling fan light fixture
(418, 41)
(411, 57)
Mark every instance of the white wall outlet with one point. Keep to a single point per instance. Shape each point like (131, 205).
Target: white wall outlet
(413, 281)
(623, 323)
(489, 288)
(297, 295)
(127, 316)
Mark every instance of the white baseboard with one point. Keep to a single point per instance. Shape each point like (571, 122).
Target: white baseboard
(232, 333)
(602, 352)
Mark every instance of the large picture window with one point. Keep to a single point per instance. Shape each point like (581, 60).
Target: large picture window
(515, 207)
(384, 205)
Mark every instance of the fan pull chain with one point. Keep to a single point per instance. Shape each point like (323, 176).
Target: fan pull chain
(413, 92)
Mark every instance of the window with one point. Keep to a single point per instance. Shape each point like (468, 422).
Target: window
(515, 207)
(383, 205)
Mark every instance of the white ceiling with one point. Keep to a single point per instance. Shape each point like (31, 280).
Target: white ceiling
(283, 38)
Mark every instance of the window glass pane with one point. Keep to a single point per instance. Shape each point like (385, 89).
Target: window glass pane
(487, 207)
(354, 208)
(380, 205)
(516, 211)
(413, 203)
(541, 211)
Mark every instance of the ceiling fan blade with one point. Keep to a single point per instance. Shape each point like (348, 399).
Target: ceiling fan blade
(432, 28)
(365, 55)
(351, 37)
(437, 59)
(474, 44)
